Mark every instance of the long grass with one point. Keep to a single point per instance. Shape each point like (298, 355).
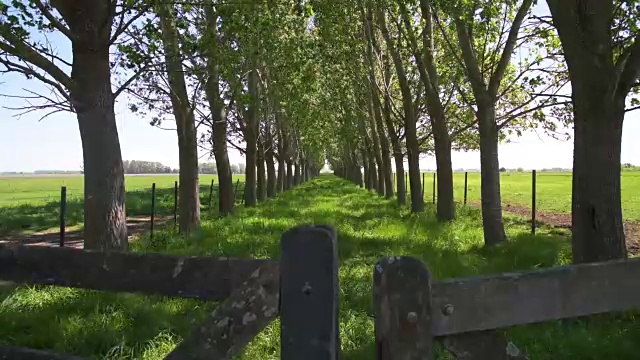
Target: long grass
(124, 326)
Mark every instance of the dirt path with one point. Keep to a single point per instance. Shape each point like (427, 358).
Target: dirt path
(74, 239)
(563, 220)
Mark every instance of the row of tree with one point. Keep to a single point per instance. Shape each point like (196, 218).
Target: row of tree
(363, 84)
(427, 76)
(233, 72)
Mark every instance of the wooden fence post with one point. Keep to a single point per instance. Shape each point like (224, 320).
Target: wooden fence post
(309, 294)
(434, 188)
(63, 213)
(402, 305)
(466, 175)
(211, 192)
(175, 204)
(533, 202)
(423, 174)
(153, 209)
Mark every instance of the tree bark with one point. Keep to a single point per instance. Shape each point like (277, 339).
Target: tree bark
(296, 177)
(105, 225)
(271, 168)
(226, 201)
(289, 182)
(493, 225)
(262, 173)
(599, 90)
(189, 198)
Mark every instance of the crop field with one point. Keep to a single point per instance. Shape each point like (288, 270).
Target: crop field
(32, 203)
(99, 325)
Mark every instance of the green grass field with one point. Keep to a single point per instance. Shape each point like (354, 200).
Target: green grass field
(553, 190)
(101, 325)
(31, 204)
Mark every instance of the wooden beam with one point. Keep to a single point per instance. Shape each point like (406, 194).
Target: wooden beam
(234, 323)
(309, 294)
(206, 278)
(402, 305)
(492, 302)
(18, 353)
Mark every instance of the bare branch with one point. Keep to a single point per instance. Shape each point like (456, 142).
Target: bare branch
(52, 19)
(505, 58)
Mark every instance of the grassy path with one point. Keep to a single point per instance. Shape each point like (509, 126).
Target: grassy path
(125, 326)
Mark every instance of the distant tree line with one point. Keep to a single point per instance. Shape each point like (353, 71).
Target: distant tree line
(211, 168)
(146, 167)
(153, 167)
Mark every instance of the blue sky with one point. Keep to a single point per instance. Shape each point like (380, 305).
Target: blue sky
(27, 144)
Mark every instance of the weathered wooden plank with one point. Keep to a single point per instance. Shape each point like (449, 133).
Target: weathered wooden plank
(18, 353)
(248, 310)
(309, 294)
(492, 302)
(402, 304)
(206, 278)
(482, 345)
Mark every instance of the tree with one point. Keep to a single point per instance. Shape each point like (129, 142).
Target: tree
(485, 84)
(411, 138)
(92, 27)
(183, 110)
(425, 61)
(601, 46)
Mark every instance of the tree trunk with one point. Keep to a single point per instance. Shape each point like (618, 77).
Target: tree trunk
(289, 181)
(365, 165)
(393, 138)
(251, 137)
(105, 225)
(373, 173)
(296, 178)
(493, 225)
(271, 168)
(226, 201)
(262, 173)
(596, 203)
(282, 177)
(599, 89)
(189, 198)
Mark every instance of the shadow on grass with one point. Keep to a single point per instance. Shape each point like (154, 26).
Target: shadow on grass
(368, 228)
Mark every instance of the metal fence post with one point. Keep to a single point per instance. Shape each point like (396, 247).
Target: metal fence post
(533, 202)
(63, 211)
(211, 192)
(175, 204)
(153, 209)
(466, 175)
(434, 188)
(423, 174)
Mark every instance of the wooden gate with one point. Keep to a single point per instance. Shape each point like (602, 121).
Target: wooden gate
(411, 310)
